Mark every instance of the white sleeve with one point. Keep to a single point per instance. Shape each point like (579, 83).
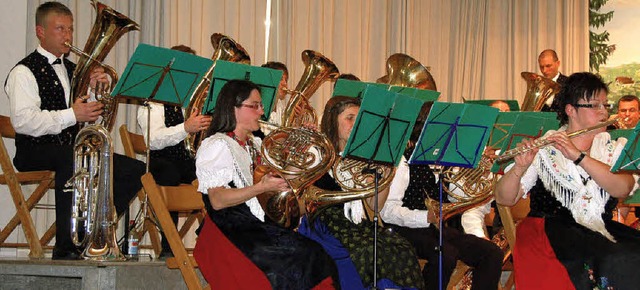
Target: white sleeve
(26, 116)
(161, 135)
(393, 212)
(473, 220)
(214, 165)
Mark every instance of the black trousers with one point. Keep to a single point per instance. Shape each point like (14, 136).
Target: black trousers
(59, 158)
(483, 256)
(169, 172)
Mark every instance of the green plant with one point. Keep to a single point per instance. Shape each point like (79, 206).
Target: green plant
(599, 48)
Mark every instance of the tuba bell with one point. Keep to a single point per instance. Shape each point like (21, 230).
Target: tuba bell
(405, 71)
(225, 48)
(539, 90)
(318, 69)
(109, 26)
(93, 217)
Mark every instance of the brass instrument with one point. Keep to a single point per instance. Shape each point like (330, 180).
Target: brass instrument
(539, 90)
(225, 48)
(470, 187)
(92, 206)
(318, 69)
(405, 71)
(354, 178)
(109, 26)
(542, 142)
(300, 156)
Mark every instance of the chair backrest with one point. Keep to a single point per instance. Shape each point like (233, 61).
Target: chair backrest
(6, 128)
(133, 143)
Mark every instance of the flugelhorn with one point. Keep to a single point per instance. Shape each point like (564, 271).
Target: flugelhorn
(542, 142)
(109, 26)
(225, 48)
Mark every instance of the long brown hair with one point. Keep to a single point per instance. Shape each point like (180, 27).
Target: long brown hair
(333, 108)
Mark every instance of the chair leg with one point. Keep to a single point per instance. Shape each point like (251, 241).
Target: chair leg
(48, 235)
(191, 219)
(30, 204)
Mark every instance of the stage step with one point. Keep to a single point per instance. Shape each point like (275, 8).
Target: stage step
(48, 274)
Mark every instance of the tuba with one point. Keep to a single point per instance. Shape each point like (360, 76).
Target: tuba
(227, 49)
(318, 69)
(92, 205)
(539, 90)
(405, 71)
(109, 26)
(300, 156)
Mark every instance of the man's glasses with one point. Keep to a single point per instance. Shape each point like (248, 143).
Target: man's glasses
(255, 106)
(598, 106)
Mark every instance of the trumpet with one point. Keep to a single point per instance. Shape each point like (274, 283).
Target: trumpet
(542, 142)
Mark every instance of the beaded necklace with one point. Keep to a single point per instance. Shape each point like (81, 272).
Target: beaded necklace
(256, 159)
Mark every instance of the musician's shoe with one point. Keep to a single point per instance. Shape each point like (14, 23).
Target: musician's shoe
(65, 254)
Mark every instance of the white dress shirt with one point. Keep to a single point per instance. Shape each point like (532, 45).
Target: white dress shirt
(24, 99)
(161, 135)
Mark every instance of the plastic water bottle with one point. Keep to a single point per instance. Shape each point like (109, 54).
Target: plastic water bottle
(133, 243)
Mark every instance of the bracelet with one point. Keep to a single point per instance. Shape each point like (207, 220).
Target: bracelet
(577, 161)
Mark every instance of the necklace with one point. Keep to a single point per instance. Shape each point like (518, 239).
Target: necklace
(256, 159)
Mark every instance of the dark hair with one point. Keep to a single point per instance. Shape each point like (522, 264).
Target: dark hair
(350, 77)
(333, 108)
(50, 7)
(231, 96)
(629, 98)
(579, 86)
(184, 48)
(276, 65)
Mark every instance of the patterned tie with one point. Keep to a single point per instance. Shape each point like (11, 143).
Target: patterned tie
(57, 61)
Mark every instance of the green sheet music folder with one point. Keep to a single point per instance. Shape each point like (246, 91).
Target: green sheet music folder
(629, 160)
(267, 79)
(351, 88)
(528, 125)
(454, 135)
(513, 104)
(383, 125)
(161, 75)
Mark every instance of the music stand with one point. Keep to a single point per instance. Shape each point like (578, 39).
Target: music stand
(629, 159)
(379, 136)
(156, 74)
(266, 78)
(453, 135)
(523, 125)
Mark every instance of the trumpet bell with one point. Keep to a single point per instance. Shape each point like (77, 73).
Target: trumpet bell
(403, 70)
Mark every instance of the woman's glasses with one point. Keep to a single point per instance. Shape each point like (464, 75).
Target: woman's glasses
(597, 106)
(255, 106)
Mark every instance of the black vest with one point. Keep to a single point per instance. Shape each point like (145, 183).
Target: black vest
(172, 116)
(51, 98)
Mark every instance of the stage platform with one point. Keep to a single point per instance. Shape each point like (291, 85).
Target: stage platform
(49, 274)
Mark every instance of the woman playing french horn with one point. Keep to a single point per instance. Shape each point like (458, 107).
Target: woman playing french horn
(569, 240)
(343, 228)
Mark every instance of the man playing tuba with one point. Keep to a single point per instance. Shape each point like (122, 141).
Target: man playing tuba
(39, 90)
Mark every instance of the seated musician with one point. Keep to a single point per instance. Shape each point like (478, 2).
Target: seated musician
(405, 213)
(569, 240)
(46, 121)
(170, 163)
(236, 248)
(397, 262)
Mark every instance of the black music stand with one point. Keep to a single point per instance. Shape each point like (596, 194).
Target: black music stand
(156, 74)
(453, 135)
(379, 136)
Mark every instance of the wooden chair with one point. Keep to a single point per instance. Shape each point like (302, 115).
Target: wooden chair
(14, 180)
(510, 217)
(135, 144)
(177, 199)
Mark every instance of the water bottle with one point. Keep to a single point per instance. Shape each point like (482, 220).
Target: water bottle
(133, 243)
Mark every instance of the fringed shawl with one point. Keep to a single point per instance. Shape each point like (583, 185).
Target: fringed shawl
(571, 185)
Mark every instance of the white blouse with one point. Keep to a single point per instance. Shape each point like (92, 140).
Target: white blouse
(221, 160)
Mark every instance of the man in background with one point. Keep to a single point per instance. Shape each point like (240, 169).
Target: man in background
(549, 67)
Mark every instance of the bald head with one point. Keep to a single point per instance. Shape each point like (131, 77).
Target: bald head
(549, 63)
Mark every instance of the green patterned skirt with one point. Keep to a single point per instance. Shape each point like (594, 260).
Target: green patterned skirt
(397, 260)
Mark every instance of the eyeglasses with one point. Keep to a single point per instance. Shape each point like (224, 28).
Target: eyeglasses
(598, 106)
(255, 106)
